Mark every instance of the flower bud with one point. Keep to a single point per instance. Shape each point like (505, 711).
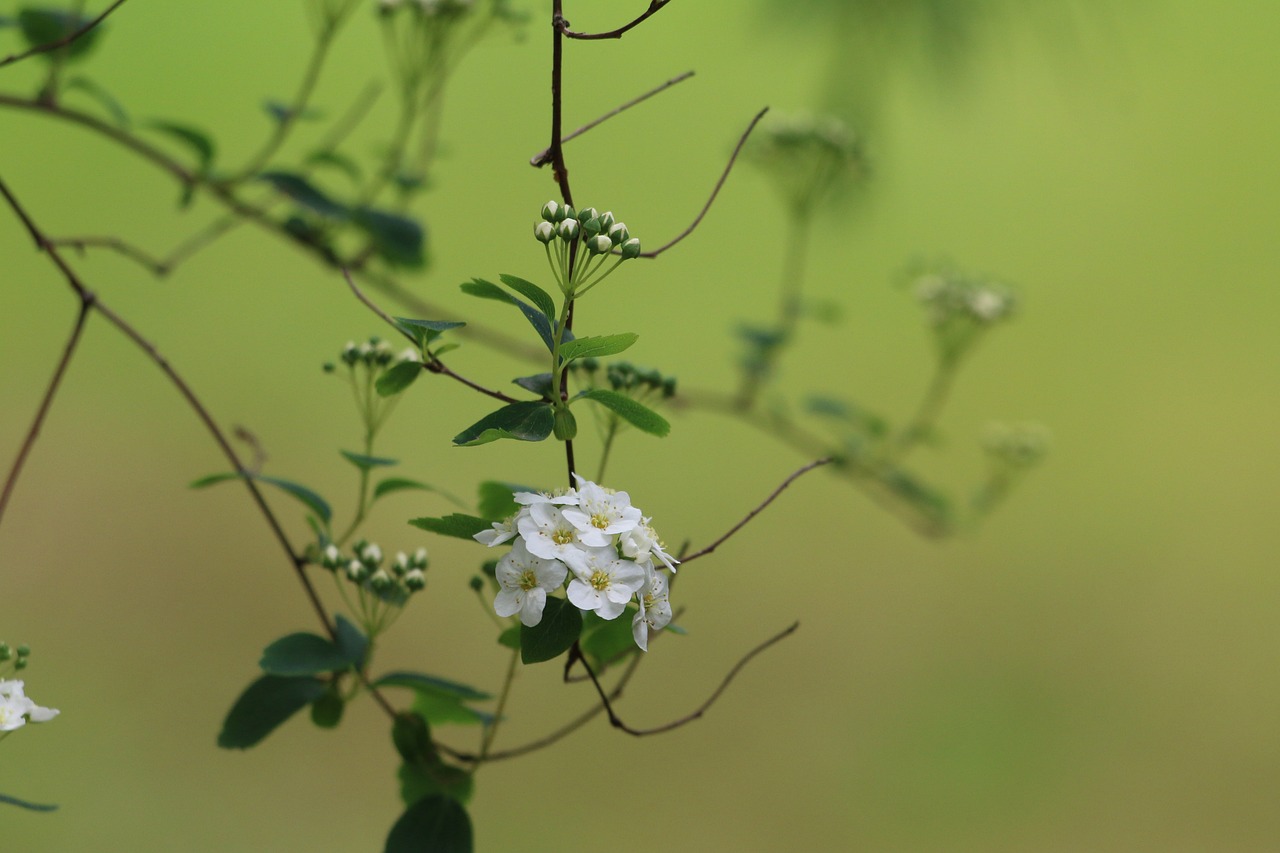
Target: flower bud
(401, 563)
(380, 580)
(587, 213)
(607, 221)
(330, 558)
(568, 230)
(415, 580)
(565, 425)
(566, 212)
(592, 226)
(618, 233)
(350, 355)
(550, 211)
(631, 248)
(356, 571)
(600, 244)
(371, 555)
(419, 558)
(476, 583)
(544, 232)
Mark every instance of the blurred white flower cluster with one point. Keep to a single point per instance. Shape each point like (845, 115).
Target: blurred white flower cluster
(16, 710)
(949, 296)
(596, 535)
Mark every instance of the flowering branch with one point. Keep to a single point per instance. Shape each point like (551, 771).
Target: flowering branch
(654, 7)
(544, 157)
(62, 42)
(795, 475)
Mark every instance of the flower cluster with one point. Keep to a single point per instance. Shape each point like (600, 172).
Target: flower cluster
(949, 297)
(16, 709)
(598, 235)
(626, 378)
(807, 157)
(366, 363)
(596, 535)
(1016, 445)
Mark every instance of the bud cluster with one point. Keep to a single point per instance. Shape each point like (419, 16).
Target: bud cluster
(806, 156)
(427, 8)
(1016, 445)
(584, 239)
(364, 567)
(949, 296)
(366, 363)
(626, 378)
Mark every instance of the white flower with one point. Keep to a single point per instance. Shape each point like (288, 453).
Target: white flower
(548, 534)
(603, 582)
(525, 581)
(569, 498)
(655, 609)
(641, 542)
(16, 710)
(501, 532)
(600, 514)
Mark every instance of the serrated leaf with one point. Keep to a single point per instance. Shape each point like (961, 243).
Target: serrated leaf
(596, 346)
(636, 414)
(364, 463)
(496, 501)
(264, 705)
(398, 378)
(434, 824)
(102, 96)
(524, 421)
(193, 137)
(302, 654)
(561, 625)
(457, 525)
(302, 191)
(313, 501)
(46, 26)
(532, 292)
(398, 240)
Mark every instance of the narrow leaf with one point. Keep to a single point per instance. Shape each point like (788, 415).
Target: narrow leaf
(23, 804)
(541, 322)
(636, 414)
(457, 525)
(102, 96)
(364, 463)
(45, 26)
(532, 292)
(398, 240)
(302, 654)
(341, 162)
(301, 190)
(194, 138)
(431, 684)
(525, 421)
(434, 824)
(398, 378)
(313, 501)
(263, 706)
(538, 383)
(400, 484)
(597, 346)
(561, 625)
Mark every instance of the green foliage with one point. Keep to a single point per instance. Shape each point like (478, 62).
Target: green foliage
(532, 292)
(597, 346)
(313, 501)
(398, 240)
(560, 627)
(524, 421)
(102, 96)
(264, 705)
(496, 501)
(397, 378)
(457, 525)
(424, 332)
(605, 641)
(435, 824)
(300, 190)
(302, 654)
(326, 712)
(46, 26)
(365, 463)
(636, 414)
(198, 141)
(540, 321)
(23, 804)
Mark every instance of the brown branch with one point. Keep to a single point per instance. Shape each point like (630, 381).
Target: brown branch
(724, 176)
(795, 475)
(62, 42)
(544, 157)
(617, 722)
(654, 7)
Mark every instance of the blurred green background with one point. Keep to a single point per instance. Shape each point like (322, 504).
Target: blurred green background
(1095, 669)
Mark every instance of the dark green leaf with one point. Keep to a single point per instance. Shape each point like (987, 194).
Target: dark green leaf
(364, 463)
(283, 112)
(424, 332)
(434, 824)
(437, 700)
(300, 190)
(636, 414)
(525, 421)
(314, 502)
(539, 383)
(303, 654)
(340, 162)
(561, 625)
(102, 96)
(400, 484)
(510, 637)
(604, 641)
(417, 781)
(397, 239)
(398, 378)
(532, 292)
(326, 712)
(46, 26)
(412, 737)
(541, 322)
(194, 138)
(351, 641)
(430, 684)
(596, 346)
(266, 704)
(457, 525)
(496, 501)
(23, 804)
(442, 710)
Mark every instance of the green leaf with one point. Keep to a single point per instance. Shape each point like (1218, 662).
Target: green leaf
(596, 346)
(496, 501)
(532, 292)
(266, 704)
(400, 484)
(46, 26)
(364, 463)
(510, 637)
(424, 332)
(525, 421)
(434, 824)
(313, 501)
(351, 641)
(341, 162)
(539, 383)
(636, 414)
(193, 137)
(605, 641)
(301, 190)
(102, 96)
(412, 738)
(457, 525)
(420, 683)
(417, 781)
(303, 654)
(437, 700)
(282, 112)
(541, 322)
(561, 625)
(398, 240)
(398, 378)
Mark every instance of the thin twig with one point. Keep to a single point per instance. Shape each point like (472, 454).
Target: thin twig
(795, 475)
(724, 176)
(62, 42)
(544, 157)
(133, 253)
(654, 7)
(617, 722)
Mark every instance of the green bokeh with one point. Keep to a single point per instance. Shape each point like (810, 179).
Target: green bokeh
(1094, 670)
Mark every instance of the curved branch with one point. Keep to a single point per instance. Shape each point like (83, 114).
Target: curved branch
(62, 42)
(654, 7)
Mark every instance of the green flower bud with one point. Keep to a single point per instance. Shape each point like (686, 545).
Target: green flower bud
(551, 212)
(568, 230)
(631, 248)
(587, 213)
(618, 233)
(5, 651)
(23, 650)
(415, 580)
(20, 663)
(476, 583)
(592, 226)
(566, 212)
(565, 425)
(600, 244)
(350, 354)
(326, 712)
(606, 221)
(544, 232)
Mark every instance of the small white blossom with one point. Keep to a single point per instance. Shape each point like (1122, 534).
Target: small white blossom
(603, 581)
(568, 498)
(548, 534)
(525, 581)
(641, 542)
(600, 514)
(501, 532)
(16, 710)
(655, 609)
